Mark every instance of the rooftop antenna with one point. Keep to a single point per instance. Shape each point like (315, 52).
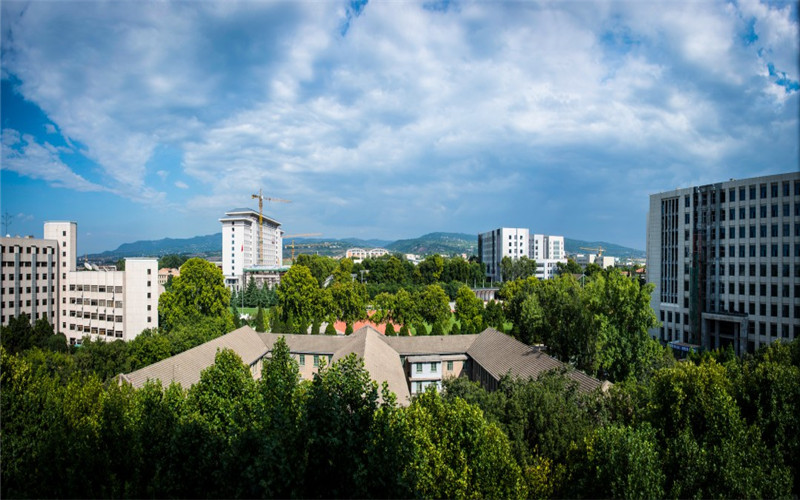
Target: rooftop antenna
(7, 221)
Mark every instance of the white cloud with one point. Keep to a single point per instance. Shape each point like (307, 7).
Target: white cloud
(23, 155)
(411, 106)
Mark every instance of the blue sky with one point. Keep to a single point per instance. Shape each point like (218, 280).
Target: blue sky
(145, 120)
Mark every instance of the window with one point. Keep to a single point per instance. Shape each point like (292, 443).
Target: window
(433, 367)
(774, 190)
(763, 191)
(752, 231)
(763, 211)
(786, 210)
(419, 387)
(763, 231)
(774, 210)
(450, 366)
(316, 360)
(302, 360)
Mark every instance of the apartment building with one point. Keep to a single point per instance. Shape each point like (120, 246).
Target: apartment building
(41, 277)
(512, 242)
(240, 245)
(362, 253)
(725, 262)
(29, 278)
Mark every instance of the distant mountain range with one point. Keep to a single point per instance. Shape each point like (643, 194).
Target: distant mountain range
(441, 243)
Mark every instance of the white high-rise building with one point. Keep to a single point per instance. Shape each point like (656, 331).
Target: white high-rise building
(725, 262)
(240, 245)
(510, 242)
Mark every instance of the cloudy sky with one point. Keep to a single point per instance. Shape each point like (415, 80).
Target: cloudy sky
(145, 120)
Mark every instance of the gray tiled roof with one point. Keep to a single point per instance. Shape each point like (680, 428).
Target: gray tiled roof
(499, 354)
(185, 368)
(439, 344)
(380, 360)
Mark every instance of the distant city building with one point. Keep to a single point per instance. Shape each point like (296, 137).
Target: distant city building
(361, 253)
(99, 302)
(240, 246)
(584, 259)
(546, 250)
(725, 262)
(512, 242)
(164, 275)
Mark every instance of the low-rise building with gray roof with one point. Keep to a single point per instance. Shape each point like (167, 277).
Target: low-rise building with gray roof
(408, 365)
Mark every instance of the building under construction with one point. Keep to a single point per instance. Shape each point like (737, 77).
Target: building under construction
(244, 246)
(725, 262)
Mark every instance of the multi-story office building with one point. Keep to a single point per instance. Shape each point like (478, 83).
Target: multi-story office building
(240, 244)
(725, 262)
(510, 242)
(41, 277)
(29, 278)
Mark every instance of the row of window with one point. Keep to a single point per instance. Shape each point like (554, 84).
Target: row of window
(13, 249)
(42, 276)
(774, 189)
(94, 330)
(96, 288)
(96, 302)
(94, 315)
(775, 230)
(744, 213)
(772, 250)
(38, 302)
(28, 289)
(316, 359)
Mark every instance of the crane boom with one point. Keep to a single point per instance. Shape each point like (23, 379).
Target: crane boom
(260, 196)
(301, 235)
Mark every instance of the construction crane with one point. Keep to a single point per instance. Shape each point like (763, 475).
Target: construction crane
(261, 199)
(599, 250)
(302, 235)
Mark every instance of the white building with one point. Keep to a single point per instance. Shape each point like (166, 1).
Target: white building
(584, 259)
(547, 251)
(240, 247)
(725, 262)
(502, 242)
(29, 278)
(361, 253)
(99, 302)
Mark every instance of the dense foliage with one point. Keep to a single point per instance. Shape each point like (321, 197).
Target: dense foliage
(712, 427)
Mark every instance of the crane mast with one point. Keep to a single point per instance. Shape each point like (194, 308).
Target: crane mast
(260, 196)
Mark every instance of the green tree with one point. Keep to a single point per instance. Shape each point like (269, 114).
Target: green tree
(459, 454)
(432, 304)
(298, 298)
(330, 329)
(430, 269)
(390, 330)
(620, 462)
(571, 267)
(172, 261)
(17, 336)
(198, 292)
(405, 309)
(622, 316)
(260, 321)
(321, 267)
(469, 310)
(349, 301)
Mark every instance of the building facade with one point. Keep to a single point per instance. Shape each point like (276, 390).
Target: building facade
(548, 251)
(29, 278)
(512, 242)
(725, 262)
(240, 248)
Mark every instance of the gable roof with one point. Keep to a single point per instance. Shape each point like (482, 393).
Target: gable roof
(185, 368)
(499, 354)
(437, 344)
